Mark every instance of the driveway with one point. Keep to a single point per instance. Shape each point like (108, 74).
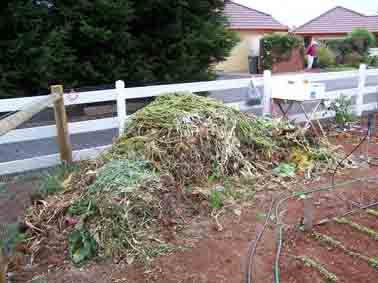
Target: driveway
(23, 150)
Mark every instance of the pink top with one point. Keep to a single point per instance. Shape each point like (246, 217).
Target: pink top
(312, 50)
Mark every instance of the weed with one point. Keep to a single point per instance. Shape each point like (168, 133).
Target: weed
(216, 200)
(3, 190)
(313, 263)
(52, 182)
(161, 249)
(216, 172)
(234, 190)
(372, 261)
(119, 209)
(10, 236)
(363, 229)
(260, 216)
(188, 189)
(82, 246)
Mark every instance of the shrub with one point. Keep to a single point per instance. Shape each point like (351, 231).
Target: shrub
(278, 48)
(361, 40)
(147, 42)
(339, 46)
(342, 107)
(373, 61)
(326, 57)
(353, 59)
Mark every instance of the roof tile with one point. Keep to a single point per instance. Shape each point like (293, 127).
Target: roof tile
(242, 17)
(338, 20)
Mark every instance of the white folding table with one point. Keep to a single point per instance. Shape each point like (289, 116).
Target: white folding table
(289, 93)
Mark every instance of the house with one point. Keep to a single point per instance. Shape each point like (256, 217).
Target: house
(251, 25)
(336, 23)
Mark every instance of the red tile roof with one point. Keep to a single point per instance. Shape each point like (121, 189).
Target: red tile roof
(338, 20)
(242, 17)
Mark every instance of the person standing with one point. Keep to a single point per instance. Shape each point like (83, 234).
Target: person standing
(311, 54)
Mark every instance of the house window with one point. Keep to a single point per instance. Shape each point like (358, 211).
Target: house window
(307, 40)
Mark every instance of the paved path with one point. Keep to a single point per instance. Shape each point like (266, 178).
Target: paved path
(31, 149)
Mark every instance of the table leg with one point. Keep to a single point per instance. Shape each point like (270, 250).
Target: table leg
(308, 120)
(317, 120)
(285, 113)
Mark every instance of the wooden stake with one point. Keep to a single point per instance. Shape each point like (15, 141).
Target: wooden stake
(308, 214)
(64, 143)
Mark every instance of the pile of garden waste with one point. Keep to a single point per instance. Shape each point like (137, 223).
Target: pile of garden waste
(131, 202)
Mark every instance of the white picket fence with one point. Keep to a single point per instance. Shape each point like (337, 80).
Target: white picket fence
(121, 94)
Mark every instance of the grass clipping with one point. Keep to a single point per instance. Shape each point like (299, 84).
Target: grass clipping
(194, 138)
(121, 205)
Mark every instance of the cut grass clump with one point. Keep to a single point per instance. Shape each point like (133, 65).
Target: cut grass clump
(117, 216)
(124, 200)
(121, 174)
(197, 139)
(358, 227)
(373, 212)
(372, 261)
(312, 263)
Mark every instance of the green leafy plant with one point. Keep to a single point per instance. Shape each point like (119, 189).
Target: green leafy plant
(216, 199)
(216, 173)
(52, 182)
(10, 237)
(285, 170)
(3, 189)
(82, 246)
(373, 61)
(278, 47)
(342, 107)
(326, 57)
(339, 46)
(361, 39)
(85, 207)
(352, 50)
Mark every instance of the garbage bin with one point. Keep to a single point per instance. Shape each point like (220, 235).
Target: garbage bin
(253, 63)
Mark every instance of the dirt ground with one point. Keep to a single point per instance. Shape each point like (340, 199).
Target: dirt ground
(221, 256)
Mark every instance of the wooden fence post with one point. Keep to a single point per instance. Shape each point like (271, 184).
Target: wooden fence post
(65, 148)
(267, 100)
(361, 89)
(121, 106)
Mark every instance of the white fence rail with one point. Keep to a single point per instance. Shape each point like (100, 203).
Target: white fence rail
(121, 94)
(373, 52)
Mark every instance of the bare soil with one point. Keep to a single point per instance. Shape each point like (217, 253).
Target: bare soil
(220, 256)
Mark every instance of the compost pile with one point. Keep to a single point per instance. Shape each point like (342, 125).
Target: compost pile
(122, 205)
